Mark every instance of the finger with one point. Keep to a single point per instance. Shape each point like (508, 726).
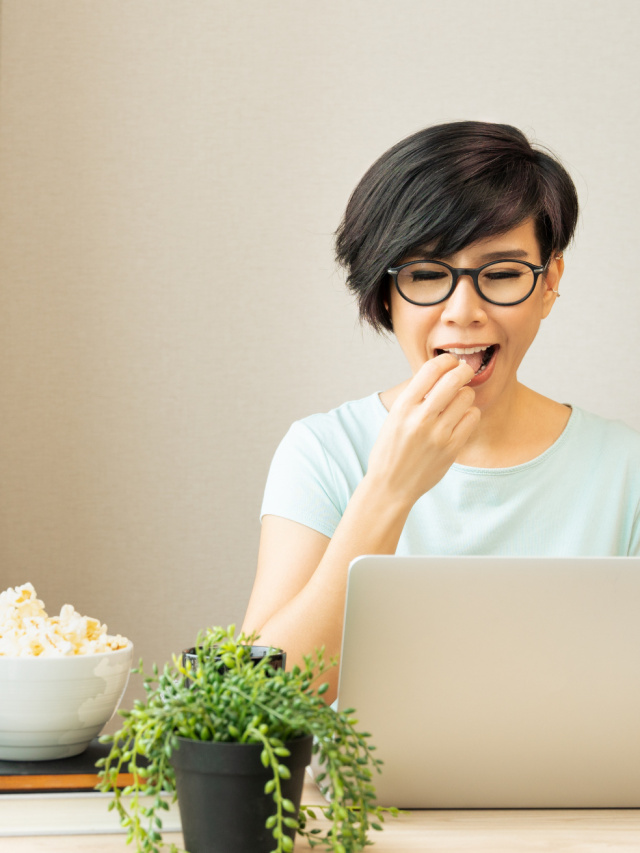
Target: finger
(430, 373)
(465, 426)
(457, 408)
(446, 388)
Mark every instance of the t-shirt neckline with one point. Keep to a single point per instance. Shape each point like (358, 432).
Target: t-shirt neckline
(530, 463)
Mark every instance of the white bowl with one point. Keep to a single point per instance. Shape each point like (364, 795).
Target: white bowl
(52, 707)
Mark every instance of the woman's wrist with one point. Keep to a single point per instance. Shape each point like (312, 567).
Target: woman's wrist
(380, 491)
(383, 511)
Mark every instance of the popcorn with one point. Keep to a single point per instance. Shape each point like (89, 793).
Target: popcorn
(27, 631)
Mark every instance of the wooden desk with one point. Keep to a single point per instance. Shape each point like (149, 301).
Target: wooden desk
(575, 831)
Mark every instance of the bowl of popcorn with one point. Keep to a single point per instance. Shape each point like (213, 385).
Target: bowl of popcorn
(61, 678)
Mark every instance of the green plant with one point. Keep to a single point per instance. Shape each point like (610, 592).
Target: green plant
(243, 702)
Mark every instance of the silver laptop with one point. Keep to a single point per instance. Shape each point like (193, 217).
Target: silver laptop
(497, 682)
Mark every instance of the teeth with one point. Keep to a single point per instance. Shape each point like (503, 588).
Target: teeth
(461, 352)
(465, 350)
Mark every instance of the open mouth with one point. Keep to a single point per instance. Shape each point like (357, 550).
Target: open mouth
(476, 357)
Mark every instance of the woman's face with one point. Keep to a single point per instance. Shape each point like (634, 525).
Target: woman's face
(466, 321)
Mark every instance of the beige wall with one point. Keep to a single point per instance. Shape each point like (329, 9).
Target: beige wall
(171, 172)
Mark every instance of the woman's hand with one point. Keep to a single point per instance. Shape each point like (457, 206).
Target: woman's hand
(428, 424)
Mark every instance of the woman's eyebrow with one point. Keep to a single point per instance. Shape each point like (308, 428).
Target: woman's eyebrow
(505, 253)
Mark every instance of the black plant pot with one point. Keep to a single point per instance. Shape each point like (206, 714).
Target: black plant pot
(277, 657)
(220, 788)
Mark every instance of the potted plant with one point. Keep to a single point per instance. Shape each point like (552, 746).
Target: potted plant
(231, 737)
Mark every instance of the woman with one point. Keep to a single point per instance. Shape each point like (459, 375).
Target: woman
(454, 241)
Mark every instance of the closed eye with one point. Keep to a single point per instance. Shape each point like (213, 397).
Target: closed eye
(428, 275)
(500, 275)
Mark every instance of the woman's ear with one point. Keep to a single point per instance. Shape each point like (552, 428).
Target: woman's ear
(387, 308)
(551, 281)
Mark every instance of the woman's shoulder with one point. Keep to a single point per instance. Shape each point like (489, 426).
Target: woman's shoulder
(342, 436)
(609, 435)
(354, 418)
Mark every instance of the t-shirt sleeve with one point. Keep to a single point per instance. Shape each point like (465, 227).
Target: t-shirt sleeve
(301, 484)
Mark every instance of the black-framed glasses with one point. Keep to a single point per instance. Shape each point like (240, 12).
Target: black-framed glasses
(503, 282)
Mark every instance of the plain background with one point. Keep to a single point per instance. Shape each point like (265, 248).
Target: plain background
(171, 175)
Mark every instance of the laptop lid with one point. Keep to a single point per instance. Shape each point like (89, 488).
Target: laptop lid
(497, 682)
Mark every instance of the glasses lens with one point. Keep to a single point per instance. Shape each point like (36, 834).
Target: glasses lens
(424, 282)
(506, 282)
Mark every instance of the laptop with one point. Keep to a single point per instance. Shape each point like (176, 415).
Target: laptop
(497, 682)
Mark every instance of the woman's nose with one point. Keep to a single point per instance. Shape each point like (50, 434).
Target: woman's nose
(465, 305)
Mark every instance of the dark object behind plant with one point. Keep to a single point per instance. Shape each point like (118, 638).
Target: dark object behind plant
(277, 657)
(245, 704)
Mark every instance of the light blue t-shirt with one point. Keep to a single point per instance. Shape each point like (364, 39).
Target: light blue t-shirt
(581, 497)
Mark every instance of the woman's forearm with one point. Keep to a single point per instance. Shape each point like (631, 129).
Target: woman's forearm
(313, 618)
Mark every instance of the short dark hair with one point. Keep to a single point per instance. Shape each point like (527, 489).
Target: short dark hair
(449, 185)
